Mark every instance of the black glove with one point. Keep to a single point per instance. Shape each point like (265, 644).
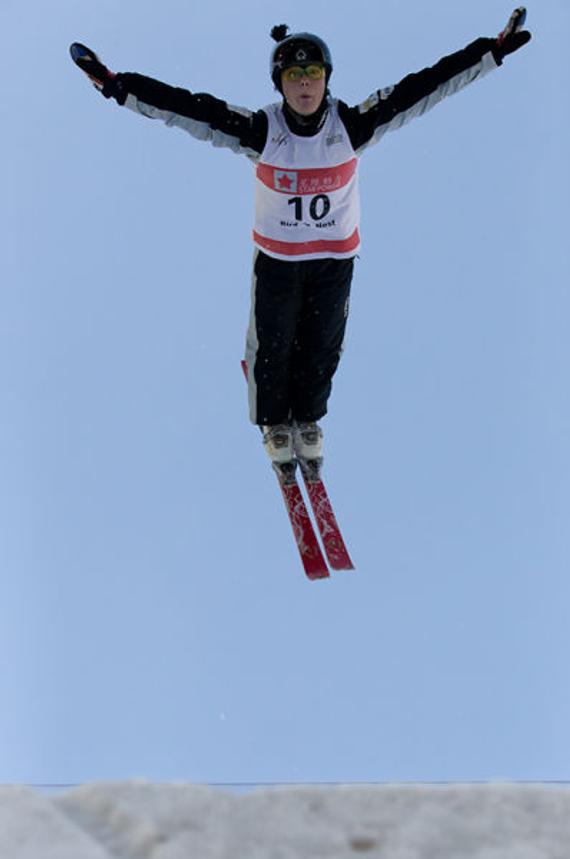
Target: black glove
(106, 81)
(513, 36)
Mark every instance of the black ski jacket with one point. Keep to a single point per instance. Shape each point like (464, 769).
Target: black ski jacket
(244, 131)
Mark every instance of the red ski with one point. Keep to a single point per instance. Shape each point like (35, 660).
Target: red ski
(312, 558)
(335, 548)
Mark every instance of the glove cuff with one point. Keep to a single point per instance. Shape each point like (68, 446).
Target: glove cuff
(511, 42)
(114, 87)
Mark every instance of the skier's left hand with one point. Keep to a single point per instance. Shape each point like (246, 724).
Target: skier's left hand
(89, 62)
(513, 36)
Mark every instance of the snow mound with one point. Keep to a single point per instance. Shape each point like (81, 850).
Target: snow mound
(139, 820)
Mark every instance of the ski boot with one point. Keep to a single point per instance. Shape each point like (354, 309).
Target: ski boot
(308, 440)
(278, 442)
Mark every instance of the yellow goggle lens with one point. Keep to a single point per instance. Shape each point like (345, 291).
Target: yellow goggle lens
(295, 73)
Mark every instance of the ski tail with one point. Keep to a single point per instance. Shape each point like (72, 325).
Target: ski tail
(331, 536)
(310, 552)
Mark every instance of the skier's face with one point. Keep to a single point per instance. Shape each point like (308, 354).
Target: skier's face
(304, 94)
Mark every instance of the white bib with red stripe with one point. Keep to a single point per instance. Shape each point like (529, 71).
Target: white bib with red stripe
(306, 196)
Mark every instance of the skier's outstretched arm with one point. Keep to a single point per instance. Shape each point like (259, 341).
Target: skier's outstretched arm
(390, 108)
(200, 114)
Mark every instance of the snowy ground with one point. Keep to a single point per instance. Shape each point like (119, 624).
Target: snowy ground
(138, 820)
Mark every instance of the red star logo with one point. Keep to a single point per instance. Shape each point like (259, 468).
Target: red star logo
(285, 181)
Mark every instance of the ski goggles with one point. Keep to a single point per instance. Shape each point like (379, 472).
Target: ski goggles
(314, 72)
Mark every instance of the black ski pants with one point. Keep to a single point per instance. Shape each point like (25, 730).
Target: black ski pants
(296, 331)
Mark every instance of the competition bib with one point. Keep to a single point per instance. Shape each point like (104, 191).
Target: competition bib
(306, 200)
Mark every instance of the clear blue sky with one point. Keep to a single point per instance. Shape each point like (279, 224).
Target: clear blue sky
(154, 620)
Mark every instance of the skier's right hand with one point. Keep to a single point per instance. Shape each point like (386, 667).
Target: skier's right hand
(100, 76)
(513, 36)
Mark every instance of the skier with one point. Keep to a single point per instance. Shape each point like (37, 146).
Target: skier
(306, 150)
